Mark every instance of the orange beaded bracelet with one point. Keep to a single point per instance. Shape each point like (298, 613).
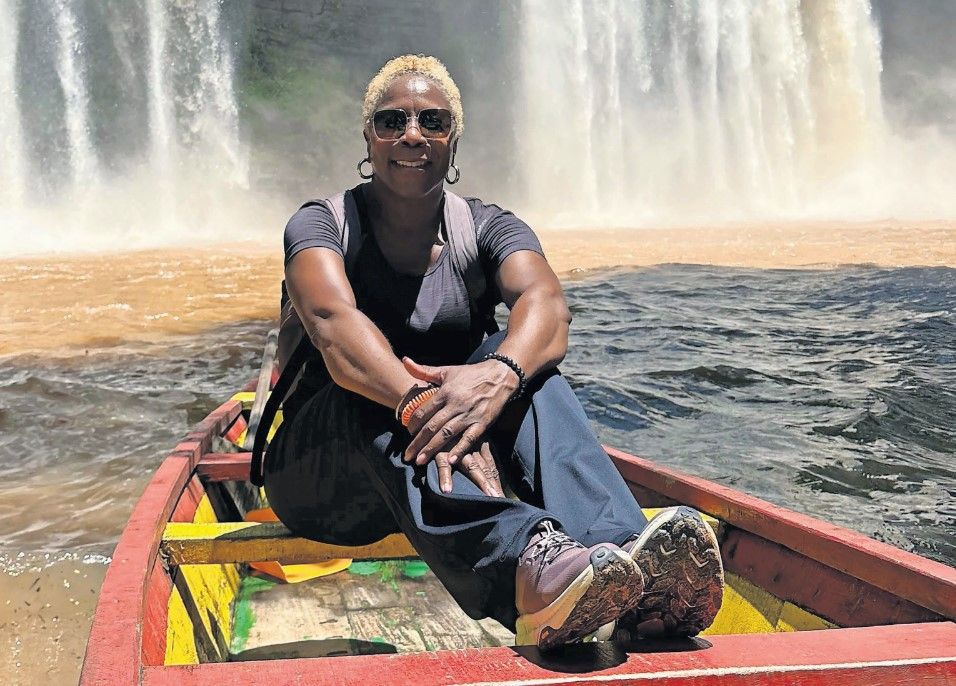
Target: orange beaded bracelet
(417, 402)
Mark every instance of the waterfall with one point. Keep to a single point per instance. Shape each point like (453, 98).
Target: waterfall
(160, 110)
(11, 128)
(205, 89)
(127, 116)
(123, 123)
(70, 68)
(648, 111)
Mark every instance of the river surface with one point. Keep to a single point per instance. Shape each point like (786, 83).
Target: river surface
(832, 392)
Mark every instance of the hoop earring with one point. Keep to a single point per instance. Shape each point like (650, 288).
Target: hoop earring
(457, 175)
(359, 167)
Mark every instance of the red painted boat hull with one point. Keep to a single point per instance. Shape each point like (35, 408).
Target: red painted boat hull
(127, 641)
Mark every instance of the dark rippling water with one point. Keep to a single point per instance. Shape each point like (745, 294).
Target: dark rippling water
(829, 392)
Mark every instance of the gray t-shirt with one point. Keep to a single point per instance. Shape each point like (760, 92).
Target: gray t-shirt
(425, 317)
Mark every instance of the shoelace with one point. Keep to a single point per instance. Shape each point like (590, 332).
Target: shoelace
(551, 544)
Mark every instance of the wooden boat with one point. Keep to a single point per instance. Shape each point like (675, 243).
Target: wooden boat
(806, 602)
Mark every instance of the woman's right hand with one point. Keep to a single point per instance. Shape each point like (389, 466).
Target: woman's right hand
(469, 400)
(478, 465)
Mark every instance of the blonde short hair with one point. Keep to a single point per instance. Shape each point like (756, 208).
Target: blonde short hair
(425, 65)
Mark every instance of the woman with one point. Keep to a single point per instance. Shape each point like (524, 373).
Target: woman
(403, 419)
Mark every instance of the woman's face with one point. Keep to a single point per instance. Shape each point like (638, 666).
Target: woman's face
(411, 166)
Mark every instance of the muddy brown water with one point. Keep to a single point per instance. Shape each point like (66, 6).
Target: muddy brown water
(834, 383)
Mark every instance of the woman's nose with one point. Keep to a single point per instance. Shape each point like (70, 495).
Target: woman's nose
(413, 134)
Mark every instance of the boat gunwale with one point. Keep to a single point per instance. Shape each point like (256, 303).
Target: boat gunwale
(907, 575)
(114, 649)
(912, 653)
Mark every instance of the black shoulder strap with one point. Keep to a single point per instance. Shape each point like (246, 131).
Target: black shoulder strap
(345, 209)
(279, 391)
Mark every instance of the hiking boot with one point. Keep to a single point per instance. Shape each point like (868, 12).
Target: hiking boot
(564, 592)
(683, 575)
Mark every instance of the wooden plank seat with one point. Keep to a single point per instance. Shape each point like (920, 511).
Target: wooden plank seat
(231, 542)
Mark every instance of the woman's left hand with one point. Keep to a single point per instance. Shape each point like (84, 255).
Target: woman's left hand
(470, 398)
(478, 465)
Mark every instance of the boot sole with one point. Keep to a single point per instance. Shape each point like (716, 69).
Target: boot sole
(683, 573)
(610, 586)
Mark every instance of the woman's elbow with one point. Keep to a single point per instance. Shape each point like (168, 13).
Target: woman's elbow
(562, 317)
(322, 324)
(559, 308)
(564, 313)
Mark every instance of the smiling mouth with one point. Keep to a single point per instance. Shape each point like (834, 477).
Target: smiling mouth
(411, 165)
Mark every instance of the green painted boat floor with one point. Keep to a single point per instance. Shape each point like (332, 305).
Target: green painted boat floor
(387, 608)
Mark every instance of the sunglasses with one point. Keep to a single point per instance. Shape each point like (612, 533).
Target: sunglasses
(432, 123)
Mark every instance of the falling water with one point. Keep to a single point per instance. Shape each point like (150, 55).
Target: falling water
(161, 114)
(11, 128)
(206, 95)
(134, 136)
(70, 68)
(648, 111)
(160, 111)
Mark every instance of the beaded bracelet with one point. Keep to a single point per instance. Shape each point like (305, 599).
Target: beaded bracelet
(416, 402)
(515, 367)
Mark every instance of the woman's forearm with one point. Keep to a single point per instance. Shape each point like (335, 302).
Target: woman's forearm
(538, 329)
(358, 356)
(355, 351)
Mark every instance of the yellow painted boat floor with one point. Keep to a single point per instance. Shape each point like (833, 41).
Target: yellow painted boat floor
(351, 614)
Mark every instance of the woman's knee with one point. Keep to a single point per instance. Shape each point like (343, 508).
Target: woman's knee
(489, 345)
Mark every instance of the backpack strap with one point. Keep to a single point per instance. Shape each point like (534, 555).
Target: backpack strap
(463, 241)
(345, 210)
(279, 392)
